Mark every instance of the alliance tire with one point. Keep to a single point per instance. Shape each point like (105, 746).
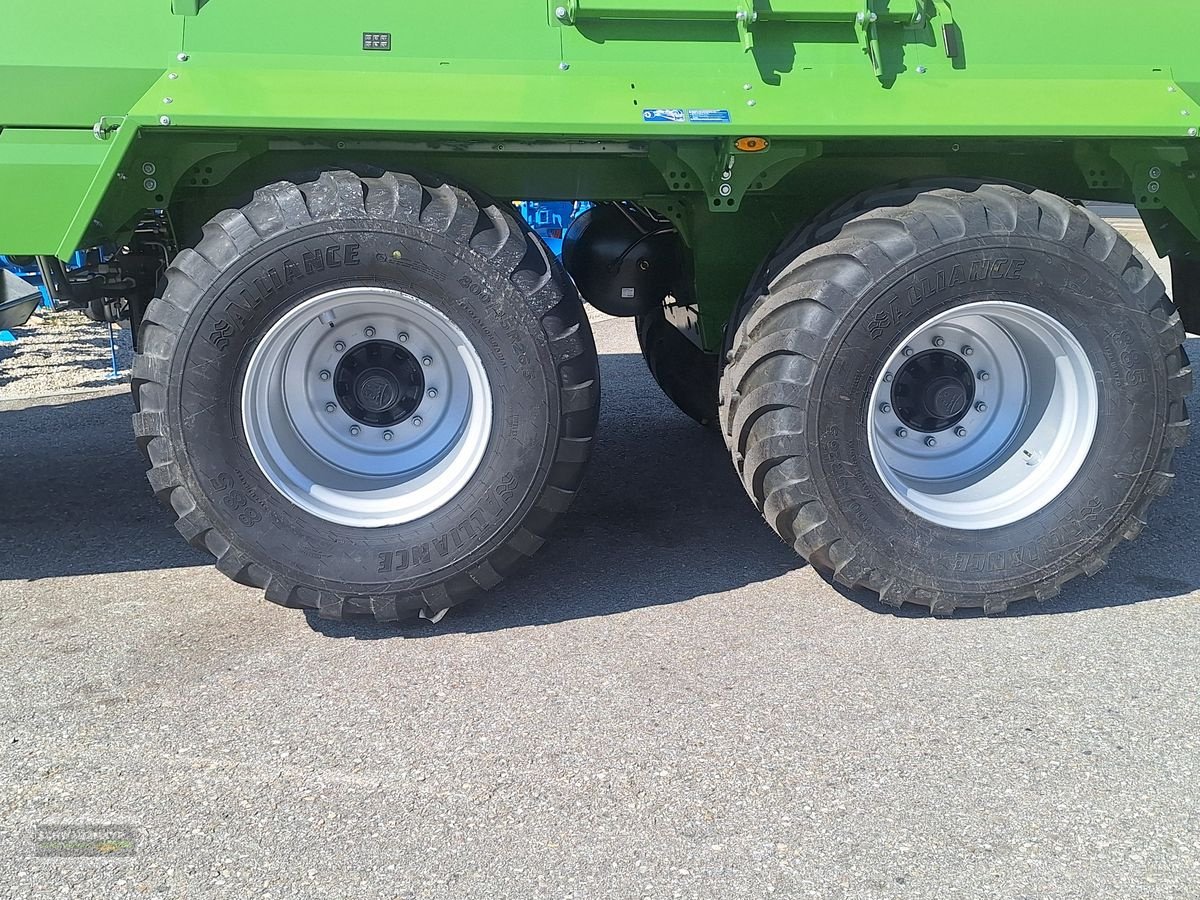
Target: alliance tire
(470, 260)
(823, 321)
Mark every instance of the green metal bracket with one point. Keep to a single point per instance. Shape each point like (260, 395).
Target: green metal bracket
(726, 174)
(186, 7)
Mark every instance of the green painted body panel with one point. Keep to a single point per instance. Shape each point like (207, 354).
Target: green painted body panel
(1082, 97)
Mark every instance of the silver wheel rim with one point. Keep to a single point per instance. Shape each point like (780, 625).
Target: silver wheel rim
(1026, 427)
(336, 455)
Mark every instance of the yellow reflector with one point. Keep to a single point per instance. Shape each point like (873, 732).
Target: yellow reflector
(752, 144)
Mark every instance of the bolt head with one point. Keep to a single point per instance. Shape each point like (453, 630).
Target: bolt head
(1192, 132)
(417, 420)
(1153, 187)
(339, 346)
(885, 407)
(887, 376)
(907, 351)
(931, 441)
(403, 336)
(981, 407)
(939, 341)
(150, 184)
(182, 57)
(564, 66)
(983, 376)
(960, 431)
(901, 432)
(369, 331)
(325, 375)
(560, 12)
(330, 407)
(752, 102)
(387, 435)
(427, 361)
(968, 350)
(355, 430)
(1155, 172)
(164, 120)
(921, 70)
(433, 392)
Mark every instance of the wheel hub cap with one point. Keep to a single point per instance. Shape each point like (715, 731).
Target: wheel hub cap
(932, 391)
(379, 383)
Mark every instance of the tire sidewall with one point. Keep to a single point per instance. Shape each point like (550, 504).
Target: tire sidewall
(1121, 345)
(205, 401)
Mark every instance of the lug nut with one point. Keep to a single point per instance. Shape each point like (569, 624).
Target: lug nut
(901, 432)
(960, 431)
(339, 346)
(369, 331)
(887, 376)
(330, 407)
(907, 351)
(980, 406)
(427, 360)
(432, 393)
(355, 430)
(325, 376)
(968, 350)
(931, 441)
(387, 435)
(983, 376)
(885, 407)
(417, 421)
(403, 337)
(939, 341)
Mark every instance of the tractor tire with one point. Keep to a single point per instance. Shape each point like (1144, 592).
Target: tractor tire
(964, 400)
(686, 374)
(370, 397)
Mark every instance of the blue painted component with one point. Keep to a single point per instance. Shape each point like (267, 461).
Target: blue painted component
(551, 218)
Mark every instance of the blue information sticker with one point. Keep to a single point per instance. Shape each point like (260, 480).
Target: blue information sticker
(663, 115)
(709, 116)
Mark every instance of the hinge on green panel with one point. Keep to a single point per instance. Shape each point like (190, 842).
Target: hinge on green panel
(106, 126)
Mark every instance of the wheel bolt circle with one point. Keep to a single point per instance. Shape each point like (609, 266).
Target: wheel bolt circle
(403, 337)
(981, 407)
(885, 407)
(330, 407)
(339, 346)
(325, 375)
(369, 331)
(387, 435)
(931, 441)
(427, 360)
(901, 432)
(939, 341)
(355, 430)
(960, 431)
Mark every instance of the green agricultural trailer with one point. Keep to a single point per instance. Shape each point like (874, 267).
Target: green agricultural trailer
(851, 233)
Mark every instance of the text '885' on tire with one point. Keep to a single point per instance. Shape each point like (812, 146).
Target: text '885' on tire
(963, 401)
(368, 396)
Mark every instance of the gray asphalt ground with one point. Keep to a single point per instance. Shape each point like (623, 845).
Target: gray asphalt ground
(668, 705)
